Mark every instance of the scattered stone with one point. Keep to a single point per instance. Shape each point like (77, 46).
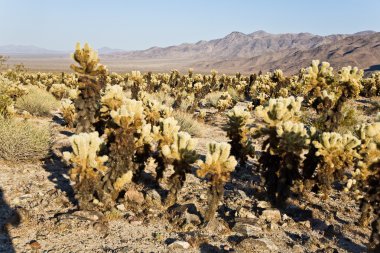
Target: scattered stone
(245, 213)
(273, 226)
(297, 249)
(185, 217)
(134, 196)
(243, 195)
(263, 204)
(306, 223)
(271, 215)
(92, 216)
(34, 245)
(246, 229)
(120, 207)
(178, 245)
(262, 245)
(153, 198)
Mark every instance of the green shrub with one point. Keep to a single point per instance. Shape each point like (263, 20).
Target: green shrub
(37, 102)
(23, 140)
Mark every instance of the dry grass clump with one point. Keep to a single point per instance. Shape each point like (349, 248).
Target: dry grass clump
(37, 102)
(189, 124)
(213, 98)
(23, 140)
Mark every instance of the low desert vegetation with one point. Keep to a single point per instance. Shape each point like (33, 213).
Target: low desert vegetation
(299, 133)
(37, 102)
(23, 140)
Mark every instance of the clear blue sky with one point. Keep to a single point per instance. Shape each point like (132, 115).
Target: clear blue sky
(141, 24)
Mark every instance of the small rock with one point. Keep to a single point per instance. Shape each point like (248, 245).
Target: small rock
(306, 223)
(185, 217)
(273, 226)
(153, 198)
(297, 249)
(35, 245)
(134, 196)
(244, 213)
(246, 229)
(263, 204)
(178, 245)
(271, 215)
(243, 195)
(120, 207)
(136, 222)
(262, 245)
(87, 215)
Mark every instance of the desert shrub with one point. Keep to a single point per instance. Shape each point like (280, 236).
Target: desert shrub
(189, 124)
(213, 98)
(38, 102)
(23, 140)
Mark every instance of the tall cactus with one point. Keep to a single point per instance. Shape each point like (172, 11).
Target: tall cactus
(87, 103)
(218, 166)
(181, 154)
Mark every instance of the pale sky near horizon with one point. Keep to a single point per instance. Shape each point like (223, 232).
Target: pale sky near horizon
(140, 24)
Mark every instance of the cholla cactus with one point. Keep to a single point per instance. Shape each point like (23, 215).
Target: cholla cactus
(225, 101)
(131, 113)
(280, 109)
(112, 99)
(88, 60)
(368, 169)
(164, 134)
(239, 133)
(68, 112)
(371, 85)
(181, 154)
(87, 104)
(337, 152)
(349, 81)
(88, 168)
(284, 148)
(218, 166)
(316, 78)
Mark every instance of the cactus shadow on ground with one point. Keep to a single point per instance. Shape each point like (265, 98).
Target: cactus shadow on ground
(8, 216)
(57, 169)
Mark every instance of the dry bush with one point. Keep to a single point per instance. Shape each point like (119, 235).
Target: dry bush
(213, 98)
(189, 124)
(37, 102)
(23, 140)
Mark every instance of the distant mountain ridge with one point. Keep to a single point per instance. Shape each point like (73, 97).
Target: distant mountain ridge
(241, 52)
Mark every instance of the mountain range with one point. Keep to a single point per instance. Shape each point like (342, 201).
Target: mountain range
(237, 51)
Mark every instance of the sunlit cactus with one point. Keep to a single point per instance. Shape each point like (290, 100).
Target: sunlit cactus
(224, 102)
(337, 152)
(218, 166)
(87, 104)
(371, 85)
(349, 81)
(368, 169)
(280, 109)
(131, 113)
(181, 154)
(112, 99)
(238, 131)
(87, 167)
(68, 112)
(164, 134)
(317, 77)
(88, 61)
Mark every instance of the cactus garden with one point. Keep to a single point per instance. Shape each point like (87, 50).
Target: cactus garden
(189, 162)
